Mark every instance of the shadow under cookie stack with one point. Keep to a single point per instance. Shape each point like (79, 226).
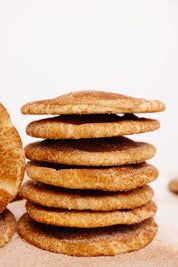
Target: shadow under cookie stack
(89, 195)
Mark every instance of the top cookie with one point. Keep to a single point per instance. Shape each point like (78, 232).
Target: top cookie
(92, 102)
(12, 159)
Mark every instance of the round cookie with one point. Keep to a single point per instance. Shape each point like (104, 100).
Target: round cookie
(106, 241)
(92, 102)
(173, 185)
(7, 226)
(12, 159)
(90, 126)
(55, 197)
(120, 178)
(90, 152)
(90, 219)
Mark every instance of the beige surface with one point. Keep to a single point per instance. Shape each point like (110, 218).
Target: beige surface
(163, 251)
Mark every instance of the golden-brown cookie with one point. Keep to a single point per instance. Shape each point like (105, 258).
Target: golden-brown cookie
(90, 219)
(92, 102)
(90, 152)
(120, 178)
(106, 241)
(7, 226)
(55, 197)
(12, 159)
(90, 126)
(173, 185)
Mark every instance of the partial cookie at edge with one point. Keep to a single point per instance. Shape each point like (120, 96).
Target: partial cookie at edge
(12, 159)
(173, 185)
(7, 226)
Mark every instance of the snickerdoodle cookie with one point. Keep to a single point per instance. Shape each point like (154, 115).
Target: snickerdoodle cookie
(105, 241)
(117, 178)
(7, 226)
(12, 159)
(55, 197)
(90, 126)
(92, 102)
(90, 219)
(90, 152)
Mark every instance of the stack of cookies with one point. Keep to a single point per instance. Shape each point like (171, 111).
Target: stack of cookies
(89, 195)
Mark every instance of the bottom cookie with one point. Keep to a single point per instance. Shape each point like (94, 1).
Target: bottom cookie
(106, 241)
(7, 226)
